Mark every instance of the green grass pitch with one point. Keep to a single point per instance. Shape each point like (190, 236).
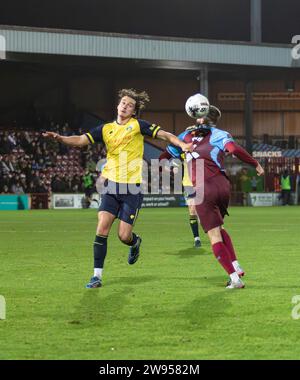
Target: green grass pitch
(171, 304)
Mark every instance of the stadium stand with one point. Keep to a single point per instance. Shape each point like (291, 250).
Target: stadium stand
(29, 164)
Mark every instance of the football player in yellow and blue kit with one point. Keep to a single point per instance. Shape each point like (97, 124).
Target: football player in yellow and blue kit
(189, 192)
(122, 199)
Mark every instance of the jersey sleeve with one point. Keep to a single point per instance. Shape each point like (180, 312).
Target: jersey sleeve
(241, 153)
(148, 129)
(220, 138)
(95, 135)
(175, 151)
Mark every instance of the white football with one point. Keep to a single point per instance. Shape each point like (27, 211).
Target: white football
(197, 106)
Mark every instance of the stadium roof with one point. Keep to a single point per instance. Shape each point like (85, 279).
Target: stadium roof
(176, 52)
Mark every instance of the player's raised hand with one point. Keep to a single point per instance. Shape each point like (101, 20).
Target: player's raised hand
(51, 135)
(260, 170)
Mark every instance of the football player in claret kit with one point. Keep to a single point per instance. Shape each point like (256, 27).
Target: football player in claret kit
(122, 198)
(210, 145)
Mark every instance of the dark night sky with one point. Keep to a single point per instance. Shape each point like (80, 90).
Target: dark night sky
(212, 19)
(280, 20)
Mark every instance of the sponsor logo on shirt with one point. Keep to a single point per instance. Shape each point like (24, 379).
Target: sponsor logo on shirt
(198, 139)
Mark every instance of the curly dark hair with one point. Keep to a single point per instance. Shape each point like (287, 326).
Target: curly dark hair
(141, 98)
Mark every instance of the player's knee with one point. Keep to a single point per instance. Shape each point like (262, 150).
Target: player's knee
(103, 230)
(192, 210)
(215, 235)
(124, 236)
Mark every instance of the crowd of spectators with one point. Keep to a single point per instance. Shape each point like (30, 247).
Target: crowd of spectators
(31, 164)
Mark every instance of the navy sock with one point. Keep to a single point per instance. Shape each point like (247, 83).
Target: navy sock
(194, 226)
(100, 249)
(133, 241)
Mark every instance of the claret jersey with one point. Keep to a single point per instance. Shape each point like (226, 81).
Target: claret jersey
(211, 148)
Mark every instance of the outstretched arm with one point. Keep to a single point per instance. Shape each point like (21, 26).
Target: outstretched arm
(244, 156)
(79, 141)
(172, 139)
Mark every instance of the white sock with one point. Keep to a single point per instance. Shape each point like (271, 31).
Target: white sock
(235, 264)
(234, 277)
(98, 272)
(197, 238)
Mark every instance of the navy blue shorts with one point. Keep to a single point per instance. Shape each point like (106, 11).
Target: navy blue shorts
(124, 206)
(189, 193)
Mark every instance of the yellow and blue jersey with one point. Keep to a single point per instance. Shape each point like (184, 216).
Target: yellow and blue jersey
(125, 148)
(177, 153)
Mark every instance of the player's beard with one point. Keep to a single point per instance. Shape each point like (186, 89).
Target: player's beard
(202, 132)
